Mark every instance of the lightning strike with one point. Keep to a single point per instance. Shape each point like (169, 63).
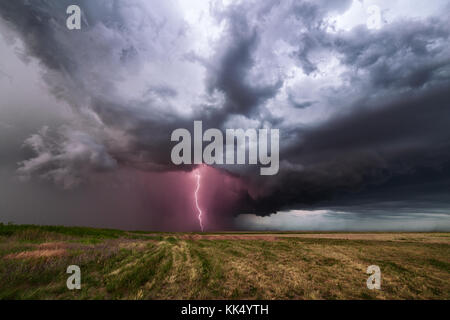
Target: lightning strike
(200, 213)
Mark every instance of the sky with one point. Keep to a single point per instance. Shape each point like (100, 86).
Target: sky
(359, 91)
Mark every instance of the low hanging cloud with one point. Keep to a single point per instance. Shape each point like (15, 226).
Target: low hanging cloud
(66, 157)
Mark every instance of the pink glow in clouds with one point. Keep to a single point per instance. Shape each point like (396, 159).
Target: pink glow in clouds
(162, 201)
(219, 196)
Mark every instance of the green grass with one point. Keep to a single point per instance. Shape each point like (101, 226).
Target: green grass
(10, 229)
(117, 264)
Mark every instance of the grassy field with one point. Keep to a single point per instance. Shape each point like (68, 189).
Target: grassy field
(136, 265)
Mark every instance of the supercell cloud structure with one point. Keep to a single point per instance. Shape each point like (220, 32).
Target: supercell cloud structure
(363, 111)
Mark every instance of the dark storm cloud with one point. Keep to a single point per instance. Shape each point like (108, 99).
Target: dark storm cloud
(357, 109)
(106, 40)
(397, 123)
(403, 54)
(230, 77)
(370, 147)
(65, 158)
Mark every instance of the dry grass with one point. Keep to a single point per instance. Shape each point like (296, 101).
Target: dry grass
(43, 253)
(223, 266)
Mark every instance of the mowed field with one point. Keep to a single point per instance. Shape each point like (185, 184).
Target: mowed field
(137, 265)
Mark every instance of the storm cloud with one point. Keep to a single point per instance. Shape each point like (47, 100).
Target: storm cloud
(363, 112)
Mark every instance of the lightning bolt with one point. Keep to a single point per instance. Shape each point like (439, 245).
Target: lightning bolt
(200, 213)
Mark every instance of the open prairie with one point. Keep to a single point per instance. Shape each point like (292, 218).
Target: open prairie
(139, 265)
